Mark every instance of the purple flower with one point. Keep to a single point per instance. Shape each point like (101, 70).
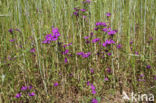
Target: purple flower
(76, 9)
(32, 50)
(109, 54)
(12, 40)
(51, 37)
(101, 24)
(55, 32)
(86, 37)
(118, 46)
(108, 42)
(92, 87)
(65, 52)
(96, 29)
(95, 40)
(136, 53)
(91, 34)
(18, 95)
(150, 38)
(148, 66)
(65, 60)
(56, 84)
(86, 55)
(112, 32)
(80, 53)
(105, 30)
(141, 75)
(84, 16)
(94, 101)
(76, 13)
(141, 80)
(106, 79)
(32, 94)
(92, 70)
(24, 88)
(87, 1)
(88, 83)
(30, 87)
(108, 14)
(93, 92)
(108, 70)
(11, 31)
(83, 10)
(131, 42)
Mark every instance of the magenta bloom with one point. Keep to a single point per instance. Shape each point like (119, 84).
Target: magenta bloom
(109, 54)
(92, 70)
(108, 14)
(80, 53)
(94, 101)
(86, 55)
(92, 87)
(56, 84)
(131, 42)
(52, 37)
(24, 88)
(76, 13)
(88, 83)
(32, 50)
(105, 30)
(86, 37)
(32, 94)
(118, 46)
(106, 79)
(11, 31)
(141, 80)
(83, 10)
(148, 66)
(87, 1)
(65, 60)
(112, 32)
(65, 52)
(93, 92)
(30, 87)
(95, 40)
(12, 40)
(108, 42)
(101, 24)
(18, 95)
(136, 53)
(141, 75)
(108, 70)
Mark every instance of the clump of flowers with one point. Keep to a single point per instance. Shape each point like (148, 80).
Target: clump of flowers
(94, 100)
(24, 92)
(52, 37)
(84, 55)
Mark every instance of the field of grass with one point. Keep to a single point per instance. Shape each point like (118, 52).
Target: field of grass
(76, 51)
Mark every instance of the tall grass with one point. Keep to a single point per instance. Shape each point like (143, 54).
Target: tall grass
(31, 20)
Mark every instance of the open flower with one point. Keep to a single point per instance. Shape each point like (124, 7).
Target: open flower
(18, 95)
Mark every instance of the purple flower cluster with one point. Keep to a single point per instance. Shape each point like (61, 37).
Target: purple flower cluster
(25, 88)
(56, 84)
(84, 55)
(94, 100)
(92, 87)
(108, 42)
(95, 40)
(52, 37)
(103, 24)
